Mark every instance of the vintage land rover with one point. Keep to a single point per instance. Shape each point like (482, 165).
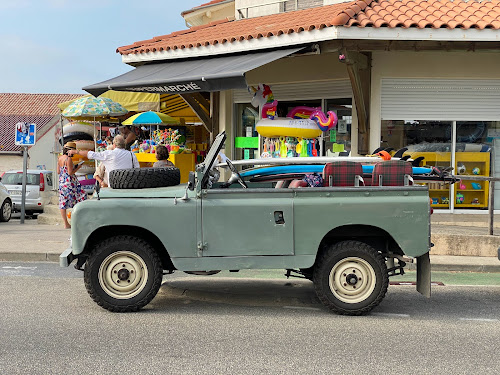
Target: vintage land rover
(347, 240)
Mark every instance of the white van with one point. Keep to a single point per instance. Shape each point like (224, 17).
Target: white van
(39, 185)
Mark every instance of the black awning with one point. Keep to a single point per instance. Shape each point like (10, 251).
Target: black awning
(184, 76)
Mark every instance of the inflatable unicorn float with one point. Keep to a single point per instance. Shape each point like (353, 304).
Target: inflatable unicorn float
(301, 121)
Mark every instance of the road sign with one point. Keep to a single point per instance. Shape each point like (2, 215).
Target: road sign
(25, 134)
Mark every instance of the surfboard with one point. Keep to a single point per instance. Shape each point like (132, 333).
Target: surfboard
(307, 160)
(310, 168)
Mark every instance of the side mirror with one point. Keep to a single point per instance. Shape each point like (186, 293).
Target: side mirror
(191, 181)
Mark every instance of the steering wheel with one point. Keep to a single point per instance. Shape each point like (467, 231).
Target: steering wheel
(235, 176)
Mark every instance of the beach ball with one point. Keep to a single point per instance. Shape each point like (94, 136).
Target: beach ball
(460, 198)
(476, 170)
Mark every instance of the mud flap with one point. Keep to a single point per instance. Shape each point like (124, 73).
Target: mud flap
(424, 275)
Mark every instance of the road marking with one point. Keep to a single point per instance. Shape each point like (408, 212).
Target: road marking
(302, 308)
(391, 315)
(21, 268)
(479, 319)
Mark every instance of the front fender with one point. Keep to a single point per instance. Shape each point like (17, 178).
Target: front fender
(172, 221)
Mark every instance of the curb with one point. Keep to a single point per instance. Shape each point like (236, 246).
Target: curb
(29, 257)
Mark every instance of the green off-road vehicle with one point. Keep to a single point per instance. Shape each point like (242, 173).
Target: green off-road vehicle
(347, 240)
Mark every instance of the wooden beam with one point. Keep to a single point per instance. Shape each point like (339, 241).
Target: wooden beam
(359, 71)
(203, 114)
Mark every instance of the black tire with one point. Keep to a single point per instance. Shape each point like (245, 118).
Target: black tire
(6, 210)
(76, 136)
(140, 178)
(127, 260)
(350, 278)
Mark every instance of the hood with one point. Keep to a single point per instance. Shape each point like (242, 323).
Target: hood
(159, 192)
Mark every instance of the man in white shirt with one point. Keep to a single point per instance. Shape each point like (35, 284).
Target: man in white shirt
(117, 158)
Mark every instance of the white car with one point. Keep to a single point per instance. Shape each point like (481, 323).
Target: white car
(39, 184)
(6, 201)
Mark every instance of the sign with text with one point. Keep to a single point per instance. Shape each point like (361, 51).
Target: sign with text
(25, 134)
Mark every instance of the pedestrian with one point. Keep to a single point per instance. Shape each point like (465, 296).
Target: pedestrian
(162, 157)
(70, 190)
(128, 135)
(117, 158)
(100, 171)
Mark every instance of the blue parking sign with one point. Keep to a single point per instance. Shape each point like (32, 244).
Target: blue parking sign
(25, 134)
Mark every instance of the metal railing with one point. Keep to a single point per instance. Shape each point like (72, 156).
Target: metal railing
(491, 196)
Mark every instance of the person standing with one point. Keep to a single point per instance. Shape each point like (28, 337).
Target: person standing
(70, 190)
(128, 135)
(117, 158)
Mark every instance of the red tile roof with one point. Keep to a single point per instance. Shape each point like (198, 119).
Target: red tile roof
(39, 109)
(363, 13)
(33, 104)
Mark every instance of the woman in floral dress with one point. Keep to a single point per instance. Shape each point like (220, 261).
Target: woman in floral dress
(70, 190)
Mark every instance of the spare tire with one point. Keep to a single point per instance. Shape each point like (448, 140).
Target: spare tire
(140, 178)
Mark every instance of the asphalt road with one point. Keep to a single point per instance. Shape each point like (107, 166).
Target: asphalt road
(49, 325)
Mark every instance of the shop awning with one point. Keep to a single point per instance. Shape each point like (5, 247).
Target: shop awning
(185, 76)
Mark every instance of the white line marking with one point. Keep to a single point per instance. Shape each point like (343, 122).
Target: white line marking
(21, 268)
(301, 308)
(479, 319)
(391, 315)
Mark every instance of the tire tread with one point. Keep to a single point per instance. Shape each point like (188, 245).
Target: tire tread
(156, 267)
(346, 247)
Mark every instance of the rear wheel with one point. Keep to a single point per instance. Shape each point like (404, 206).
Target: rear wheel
(351, 278)
(123, 274)
(6, 210)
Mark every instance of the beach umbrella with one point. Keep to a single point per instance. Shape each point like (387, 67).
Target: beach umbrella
(90, 106)
(150, 118)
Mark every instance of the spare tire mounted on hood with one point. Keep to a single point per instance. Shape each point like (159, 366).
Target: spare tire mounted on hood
(140, 178)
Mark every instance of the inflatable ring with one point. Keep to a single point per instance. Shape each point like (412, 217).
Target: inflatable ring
(79, 127)
(287, 127)
(85, 145)
(74, 137)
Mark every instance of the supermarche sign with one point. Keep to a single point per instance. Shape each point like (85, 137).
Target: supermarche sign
(25, 134)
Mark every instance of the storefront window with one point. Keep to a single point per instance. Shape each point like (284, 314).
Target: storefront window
(339, 138)
(246, 118)
(432, 141)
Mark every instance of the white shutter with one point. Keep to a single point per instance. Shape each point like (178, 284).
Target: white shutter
(302, 91)
(440, 99)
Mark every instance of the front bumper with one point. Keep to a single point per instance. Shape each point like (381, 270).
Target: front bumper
(66, 257)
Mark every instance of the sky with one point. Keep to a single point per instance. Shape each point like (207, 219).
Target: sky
(60, 46)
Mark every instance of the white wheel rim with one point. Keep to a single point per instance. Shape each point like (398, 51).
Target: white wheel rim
(352, 280)
(7, 210)
(123, 275)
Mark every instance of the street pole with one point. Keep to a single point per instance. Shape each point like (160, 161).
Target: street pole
(23, 190)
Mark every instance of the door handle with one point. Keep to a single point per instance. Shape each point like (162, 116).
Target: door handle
(278, 217)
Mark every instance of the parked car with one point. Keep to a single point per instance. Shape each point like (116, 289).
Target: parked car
(39, 185)
(347, 240)
(6, 208)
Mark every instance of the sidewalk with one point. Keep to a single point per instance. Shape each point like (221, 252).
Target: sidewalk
(33, 242)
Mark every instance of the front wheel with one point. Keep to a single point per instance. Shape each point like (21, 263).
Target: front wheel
(6, 210)
(351, 278)
(123, 274)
